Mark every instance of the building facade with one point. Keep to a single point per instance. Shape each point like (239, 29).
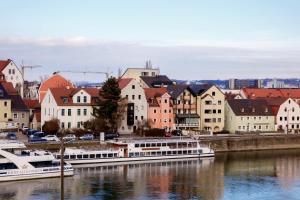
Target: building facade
(12, 74)
(136, 114)
(235, 84)
(135, 73)
(247, 115)
(5, 108)
(72, 106)
(160, 109)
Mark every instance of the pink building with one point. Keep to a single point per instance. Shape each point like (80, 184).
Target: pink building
(160, 108)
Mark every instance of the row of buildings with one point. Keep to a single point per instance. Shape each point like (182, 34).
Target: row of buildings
(152, 100)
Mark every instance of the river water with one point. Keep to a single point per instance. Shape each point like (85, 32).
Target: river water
(266, 175)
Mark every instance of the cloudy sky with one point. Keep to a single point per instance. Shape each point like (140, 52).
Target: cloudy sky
(193, 39)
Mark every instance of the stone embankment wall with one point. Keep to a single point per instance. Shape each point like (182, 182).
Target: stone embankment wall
(252, 143)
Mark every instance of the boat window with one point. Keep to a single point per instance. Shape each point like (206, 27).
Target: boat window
(66, 156)
(164, 153)
(169, 152)
(72, 157)
(174, 152)
(104, 155)
(194, 144)
(163, 144)
(200, 151)
(159, 153)
(85, 156)
(172, 145)
(136, 154)
(115, 155)
(79, 156)
(143, 145)
(153, 144)
(179, 152)
(58, 156)
(194, 151)
(148, 145)
(92, 155)
(98, 155)
(130, 154)
(110, 155)
(148, 153)
(142, 154)
(184, 152)
(189, 152)
(159, 144)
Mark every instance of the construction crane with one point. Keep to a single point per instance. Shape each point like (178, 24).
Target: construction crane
(84, 72)
(23, 67)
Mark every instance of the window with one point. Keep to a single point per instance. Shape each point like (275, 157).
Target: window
(69, 112)
(293, 118)
(78, 99)
(166, 100)
(5, 103)
(15, 115)
(85, 112)
(62, 112)
(63, 125)
(127, 97)
(214, 111)
(142, 117)
(219, 119)
(208, 102)
(23, 115)
(213, 93)
(285, 118)
(78, 112)
(136, 117)
(78, 124)
(69, 124)
(5, 115)
(133, 87)
(132, 97)
(84, 99)
(140, 96)
(219, 111)
(13, 71)
(280, 118)
(9, 71)
(219, 102)
(154, 110)
(165, 111)
(65, 100)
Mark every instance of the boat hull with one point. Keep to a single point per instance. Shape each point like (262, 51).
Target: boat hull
(38, 175)
(128, 159)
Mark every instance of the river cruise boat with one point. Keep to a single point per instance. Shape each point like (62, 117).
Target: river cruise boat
(17, 163)
(139, 150)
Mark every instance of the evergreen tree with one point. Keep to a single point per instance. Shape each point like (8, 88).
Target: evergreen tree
(107, 107)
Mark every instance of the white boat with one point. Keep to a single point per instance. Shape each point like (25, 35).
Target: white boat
(139, 150)
(17, 163)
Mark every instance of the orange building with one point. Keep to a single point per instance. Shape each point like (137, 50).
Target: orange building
(160, 108)
(55, 81)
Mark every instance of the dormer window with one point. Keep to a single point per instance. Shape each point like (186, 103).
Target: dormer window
(78, 99)
(84, 99)
(65, 99)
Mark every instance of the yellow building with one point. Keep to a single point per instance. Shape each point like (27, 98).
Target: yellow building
(248, 115)
(5, 108)
(210, 107)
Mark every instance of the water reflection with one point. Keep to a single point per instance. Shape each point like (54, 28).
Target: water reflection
(255, 175)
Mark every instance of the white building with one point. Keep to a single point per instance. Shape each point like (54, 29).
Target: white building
(72, 106)
(136, 112)
(137, 72)
(287, 114)
(12, 74)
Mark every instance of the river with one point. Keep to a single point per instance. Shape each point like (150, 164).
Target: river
(266, 175)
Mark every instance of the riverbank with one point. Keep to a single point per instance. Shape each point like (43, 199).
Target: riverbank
(218, 143)
(252, 142)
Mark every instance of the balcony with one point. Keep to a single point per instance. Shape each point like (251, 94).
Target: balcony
(187, 125)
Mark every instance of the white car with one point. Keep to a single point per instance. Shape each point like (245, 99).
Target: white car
(51, 138)
(69, 137)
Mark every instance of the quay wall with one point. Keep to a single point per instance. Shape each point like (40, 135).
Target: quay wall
(252, 143)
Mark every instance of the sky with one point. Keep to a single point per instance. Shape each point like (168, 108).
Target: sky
(192, 39)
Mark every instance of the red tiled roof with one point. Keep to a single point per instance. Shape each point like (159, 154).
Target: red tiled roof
(124, 82)
(154, 92)
(60, 93)
(3, 64)
(8, 86)
(254, 93)
(30, 103)
(55, 81)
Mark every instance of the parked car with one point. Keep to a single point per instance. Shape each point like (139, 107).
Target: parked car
(87, 137)
(69, 137)
(11, 136)
(31, 132)
(39, 134)
(168, 134)
(177, 132)
(111, 135)
(36, 139)
(53, 138)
